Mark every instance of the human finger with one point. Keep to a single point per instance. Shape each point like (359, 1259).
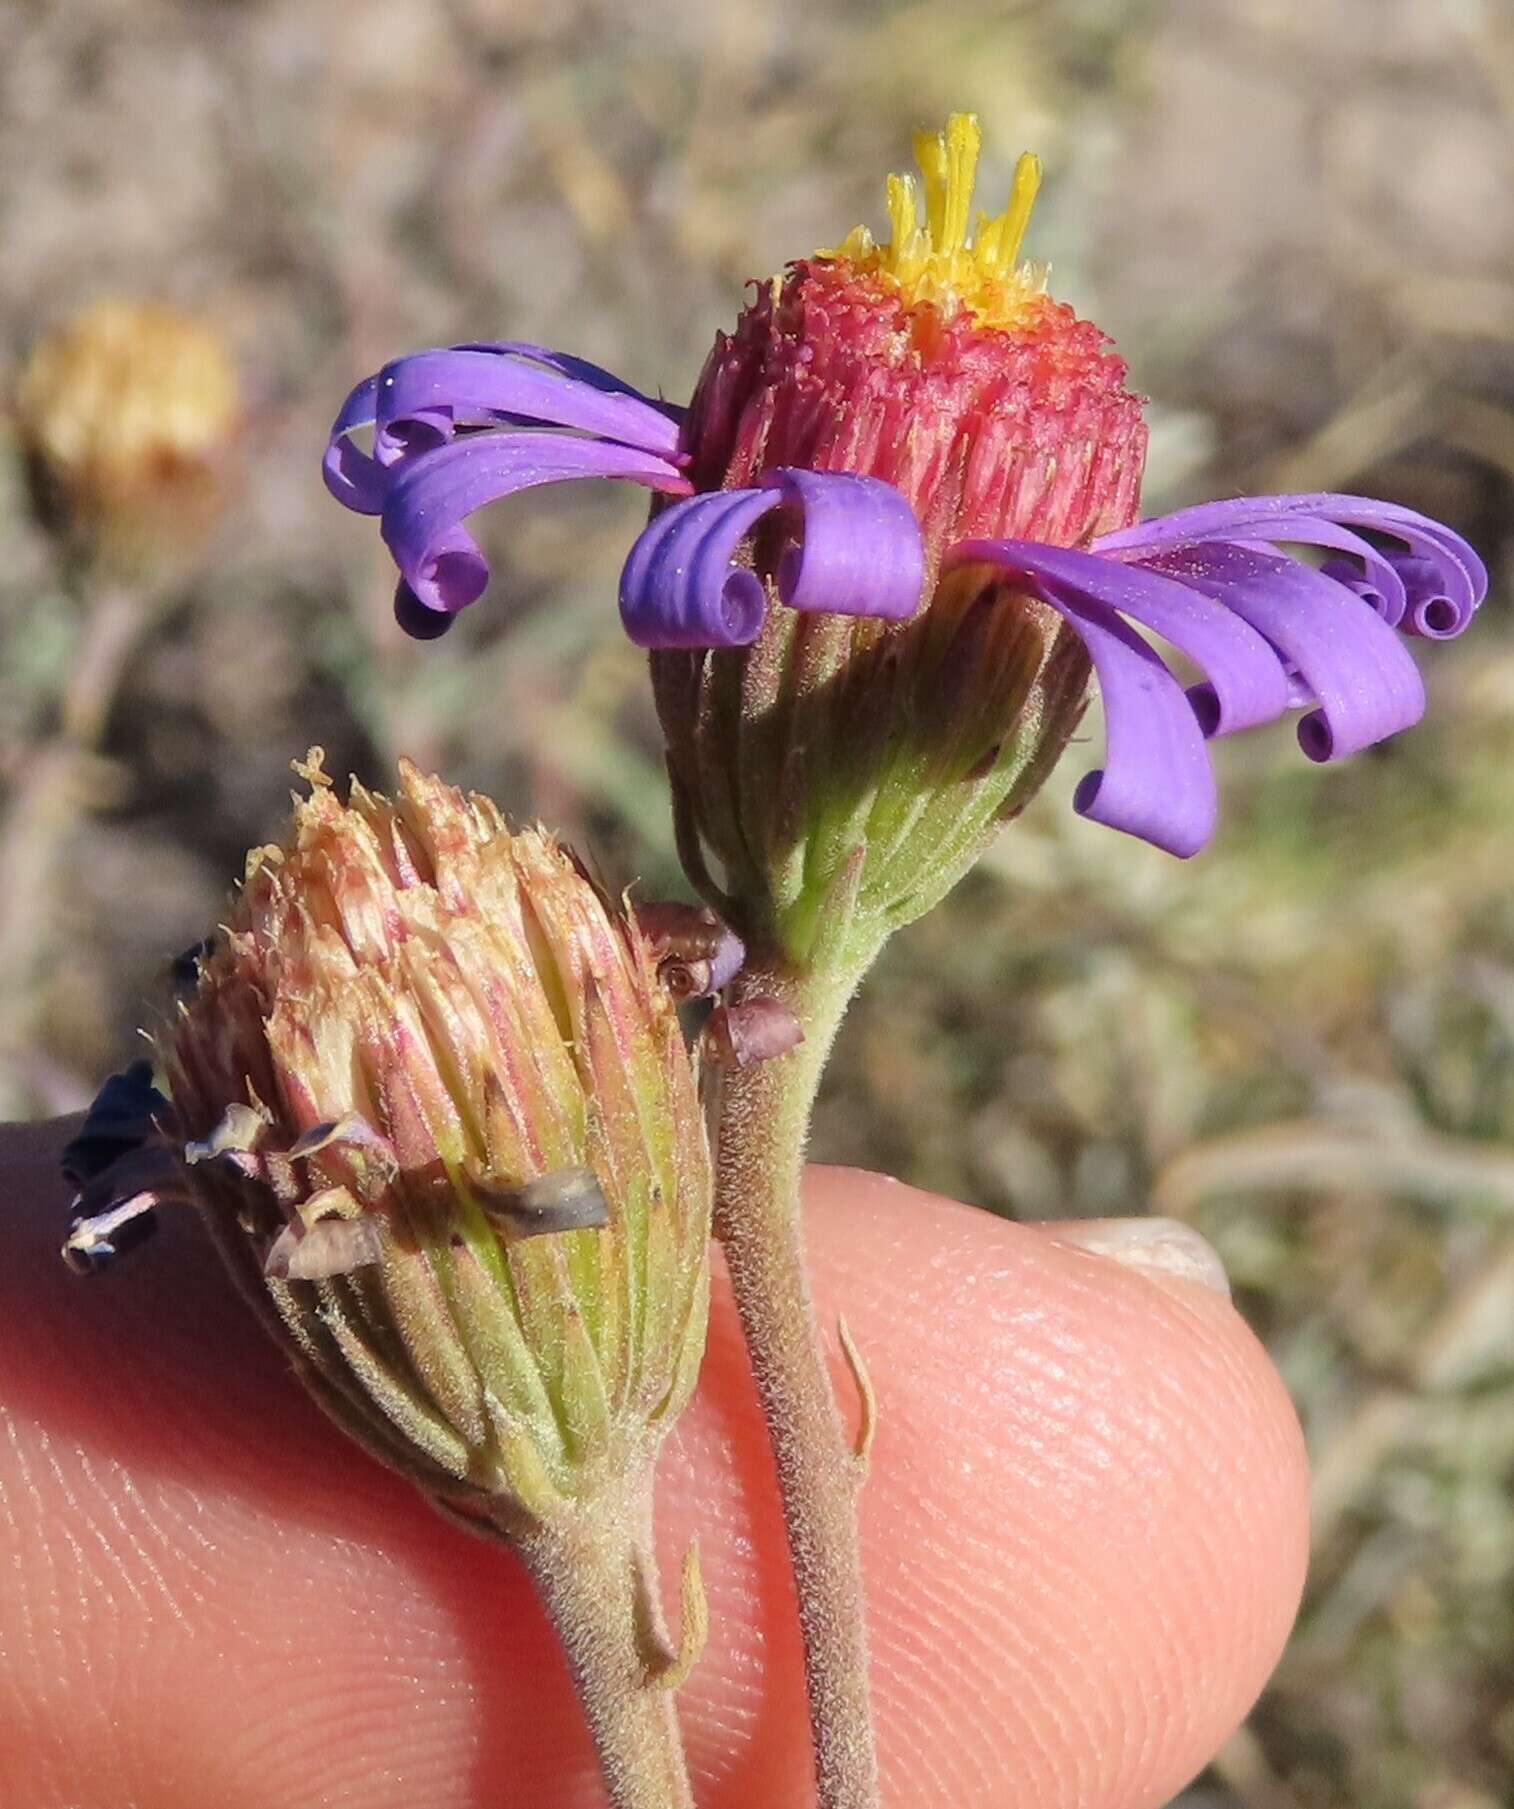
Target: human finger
(1083, 1533)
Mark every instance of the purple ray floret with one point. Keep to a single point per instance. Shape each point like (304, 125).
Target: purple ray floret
(1156, 781)
(417, 403)
(1353, 665)
(1267, 632)
(433, 491)
(457, 427)
(1439, 577)
(859, 553)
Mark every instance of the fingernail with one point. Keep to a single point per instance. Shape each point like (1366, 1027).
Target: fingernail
(1159, 1247)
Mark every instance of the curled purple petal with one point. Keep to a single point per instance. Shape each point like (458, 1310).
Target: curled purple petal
(582, 370)
(1343, 571)
(679, 587)
(1269, 634)
(1245, 682)
(423, 430)
(489, 386)
(415, 405)
(430, 495)
(1357, 670)
(1434, 611)
(1441, 578)
(1156, 781)
(859, 553)
(1368, 572)
(418, 621)
(353, 478)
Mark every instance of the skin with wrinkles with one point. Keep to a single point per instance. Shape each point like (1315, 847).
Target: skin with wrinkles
(1084, 1533)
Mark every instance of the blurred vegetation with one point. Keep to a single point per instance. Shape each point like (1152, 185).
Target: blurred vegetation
(1296, 218)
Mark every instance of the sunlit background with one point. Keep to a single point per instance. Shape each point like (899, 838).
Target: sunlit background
(1296, 218)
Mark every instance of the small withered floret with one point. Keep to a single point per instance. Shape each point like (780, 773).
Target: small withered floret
(124, 1115)
(697, 955)
(122, 1163)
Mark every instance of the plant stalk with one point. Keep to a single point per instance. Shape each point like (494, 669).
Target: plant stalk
(764, 1121)
(594, 1568)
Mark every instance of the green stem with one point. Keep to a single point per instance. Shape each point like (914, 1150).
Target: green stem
(595, 1571)
(764, 1121)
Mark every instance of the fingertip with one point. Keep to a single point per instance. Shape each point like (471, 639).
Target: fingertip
(1083, 1530)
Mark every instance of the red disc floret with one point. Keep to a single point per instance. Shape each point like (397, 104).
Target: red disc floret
(1024, 430)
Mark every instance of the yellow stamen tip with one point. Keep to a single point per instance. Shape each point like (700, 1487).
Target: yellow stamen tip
(941, 258)
(1022, 198)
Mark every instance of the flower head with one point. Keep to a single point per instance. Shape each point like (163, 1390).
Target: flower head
(127, 414)
(899, 534)
(433, 1098)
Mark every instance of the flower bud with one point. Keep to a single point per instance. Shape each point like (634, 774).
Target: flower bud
(126, 415)
(843, 763)
(437, 1104)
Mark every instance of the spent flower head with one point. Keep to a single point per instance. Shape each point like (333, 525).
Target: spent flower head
(435, 1104)
(896, 537)
(430, 1093)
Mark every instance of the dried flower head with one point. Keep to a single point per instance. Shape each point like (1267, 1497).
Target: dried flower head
(899, 537)
(437, 1109)
(127, 414)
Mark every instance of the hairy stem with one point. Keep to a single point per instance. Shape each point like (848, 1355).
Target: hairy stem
(764, 1121)
(595, 1571)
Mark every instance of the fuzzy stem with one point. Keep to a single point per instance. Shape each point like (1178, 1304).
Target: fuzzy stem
(764, 1121)
(595, 1571)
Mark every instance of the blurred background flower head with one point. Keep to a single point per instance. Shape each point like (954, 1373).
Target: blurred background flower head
(1304, 1040)
(125, 415)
